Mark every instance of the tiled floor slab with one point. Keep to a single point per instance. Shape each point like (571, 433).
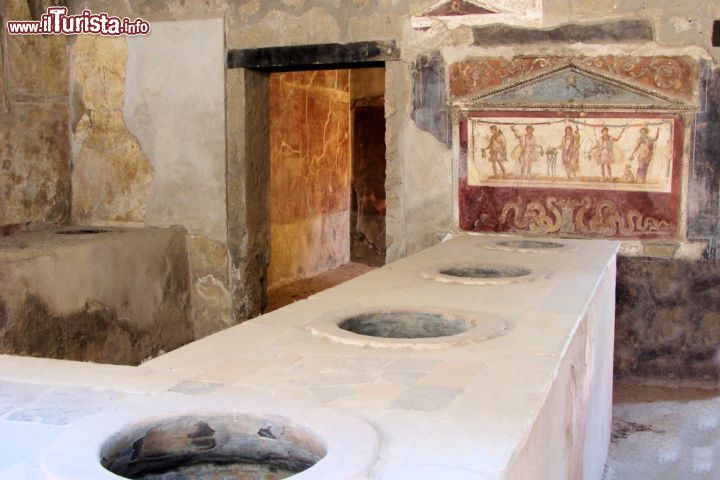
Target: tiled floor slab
(671, 433)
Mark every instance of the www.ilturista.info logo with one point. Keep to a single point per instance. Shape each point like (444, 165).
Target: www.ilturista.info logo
(56, 21)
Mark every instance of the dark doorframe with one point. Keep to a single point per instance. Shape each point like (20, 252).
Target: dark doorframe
(248, 151)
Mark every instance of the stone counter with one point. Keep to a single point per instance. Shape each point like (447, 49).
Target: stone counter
(115, 296)
(532, 402)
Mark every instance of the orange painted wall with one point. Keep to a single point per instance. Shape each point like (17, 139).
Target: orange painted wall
(310, 173)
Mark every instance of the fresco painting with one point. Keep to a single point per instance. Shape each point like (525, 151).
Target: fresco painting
(604, 153)
(588, 147)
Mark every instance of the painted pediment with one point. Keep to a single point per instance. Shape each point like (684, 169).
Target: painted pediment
(454, 13)
(457, 7)
(572, 87)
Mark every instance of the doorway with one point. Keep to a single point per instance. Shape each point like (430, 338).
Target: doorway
(327, 179)
(367, 218)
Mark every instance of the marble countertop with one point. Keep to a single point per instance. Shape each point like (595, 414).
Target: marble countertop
(459, 412)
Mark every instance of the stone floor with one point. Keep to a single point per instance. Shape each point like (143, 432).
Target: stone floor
(292, 292)
(664, 434)
(362, 252)
(363, 259)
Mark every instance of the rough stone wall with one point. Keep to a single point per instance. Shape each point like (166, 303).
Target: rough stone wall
(310, 173)
(248, 164)
(149, 145)
(668, 320)
(34, 139)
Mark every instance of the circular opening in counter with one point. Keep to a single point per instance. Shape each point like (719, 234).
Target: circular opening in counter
(524, 245)
(403, 327)
(81, 231)
(210, 448)
(406, 324)
(481, 274)
(484, 271)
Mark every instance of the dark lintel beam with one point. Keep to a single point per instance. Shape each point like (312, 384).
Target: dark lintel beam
(313, 56)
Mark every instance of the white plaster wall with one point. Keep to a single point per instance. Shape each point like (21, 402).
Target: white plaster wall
(175, 106)
(427, 178)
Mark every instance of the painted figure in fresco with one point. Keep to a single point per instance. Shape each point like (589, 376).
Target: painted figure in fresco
(628, 175)
(551, 154)
(570, 148)
(527, 150)
(497, 148)
(606, 152)
(644, 152)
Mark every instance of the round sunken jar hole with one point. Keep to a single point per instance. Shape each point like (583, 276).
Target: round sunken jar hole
(210, 448)
(484, 272)
(530, 244)
(406, 324)
(81, 231)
